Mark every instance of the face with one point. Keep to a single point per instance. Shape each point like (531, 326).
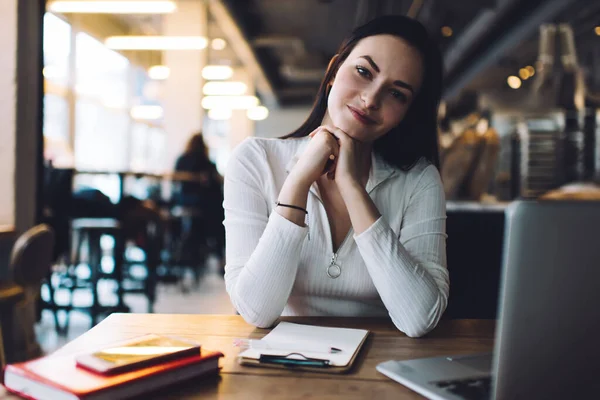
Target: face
(374, 87)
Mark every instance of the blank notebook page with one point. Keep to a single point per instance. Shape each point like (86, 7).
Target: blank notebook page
(308, 336)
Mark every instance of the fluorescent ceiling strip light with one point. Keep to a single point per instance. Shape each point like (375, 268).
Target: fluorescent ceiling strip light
(232, 102)
(218, 44)
(217, 72)
(257, 113)
(112, 7)
(156, 42)
(224, 88)
(159, 72)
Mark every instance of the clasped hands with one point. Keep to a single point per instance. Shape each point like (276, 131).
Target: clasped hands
(332, 152)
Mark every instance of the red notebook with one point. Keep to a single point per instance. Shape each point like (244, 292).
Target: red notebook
(58, 378)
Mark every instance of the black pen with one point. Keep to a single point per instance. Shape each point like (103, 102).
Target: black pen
(294, 362)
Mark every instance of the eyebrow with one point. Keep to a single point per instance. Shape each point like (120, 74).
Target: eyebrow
(399, 83)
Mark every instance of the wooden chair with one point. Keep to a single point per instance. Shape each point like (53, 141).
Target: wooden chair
(30, 263)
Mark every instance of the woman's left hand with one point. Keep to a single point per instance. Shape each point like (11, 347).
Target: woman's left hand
(347, 167)
(351, 175)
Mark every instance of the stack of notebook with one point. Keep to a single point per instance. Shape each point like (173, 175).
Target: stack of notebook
(58, 377)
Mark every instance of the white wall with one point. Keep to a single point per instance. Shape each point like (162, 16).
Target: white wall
(281, 121)
(240, 127)
(8, 59)
(183, 89)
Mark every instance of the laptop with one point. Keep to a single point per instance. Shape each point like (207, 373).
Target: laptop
(547, 342)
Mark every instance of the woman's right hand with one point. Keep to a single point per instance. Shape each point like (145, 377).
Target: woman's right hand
(310, 166)
(314, 160)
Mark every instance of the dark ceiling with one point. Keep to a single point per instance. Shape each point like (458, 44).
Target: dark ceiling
(294, 40)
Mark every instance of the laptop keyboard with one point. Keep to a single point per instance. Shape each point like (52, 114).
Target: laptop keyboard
(468, 389)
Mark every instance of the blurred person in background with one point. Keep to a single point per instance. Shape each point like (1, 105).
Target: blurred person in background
(346, 216)
(199, 186)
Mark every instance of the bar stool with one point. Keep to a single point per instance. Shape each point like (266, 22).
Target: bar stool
(90, 231)
(187, 242)
(147, 236)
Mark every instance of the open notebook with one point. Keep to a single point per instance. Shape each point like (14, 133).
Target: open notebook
(306, 347)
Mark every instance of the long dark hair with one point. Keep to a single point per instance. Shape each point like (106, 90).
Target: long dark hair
(416, 136)
(197, 147)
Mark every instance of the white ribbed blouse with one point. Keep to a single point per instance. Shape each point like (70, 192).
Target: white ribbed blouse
(275, 267)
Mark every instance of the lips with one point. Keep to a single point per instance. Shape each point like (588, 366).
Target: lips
(361, 116)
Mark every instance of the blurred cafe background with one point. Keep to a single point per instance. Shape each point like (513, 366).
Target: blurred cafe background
(119, 118)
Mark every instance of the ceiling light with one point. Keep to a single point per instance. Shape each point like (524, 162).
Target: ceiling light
(159, 72)
(218, 44)
(514, 82)
(531, 70)
(146, 112)
(51, 72)
(446, 31)
(217, 72)
(112, 7)
(524, 73)
(219, 114)
(232, 102)
(257, 113)
(156, 42)
(224, 88)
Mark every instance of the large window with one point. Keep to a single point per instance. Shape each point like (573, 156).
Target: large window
(56, 116)
(57, 51)
(101, 139)
(139, 141)
(157, 143)
(101, 111)
(89, 92)
(147, 148)
(57, 48)
(101, 73)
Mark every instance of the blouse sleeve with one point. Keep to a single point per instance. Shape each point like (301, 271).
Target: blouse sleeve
(262, 250)
(409, 269)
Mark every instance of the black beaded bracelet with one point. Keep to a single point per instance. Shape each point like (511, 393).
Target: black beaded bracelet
(291, 206)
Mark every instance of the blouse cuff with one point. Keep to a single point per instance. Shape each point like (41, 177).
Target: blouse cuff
(376, 229)
(286, 228)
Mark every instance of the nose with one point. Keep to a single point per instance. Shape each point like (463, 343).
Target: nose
(370, 98)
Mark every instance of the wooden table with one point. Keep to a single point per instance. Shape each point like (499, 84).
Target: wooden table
(240, 382)
(7, 229)
(175, 176)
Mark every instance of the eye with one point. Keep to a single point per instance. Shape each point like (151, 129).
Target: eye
(399, 95)
(363, 72)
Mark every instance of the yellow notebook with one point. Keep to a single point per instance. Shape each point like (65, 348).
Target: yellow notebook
(306, 348)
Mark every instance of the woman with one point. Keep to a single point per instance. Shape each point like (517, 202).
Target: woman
(202, 190)
(195, 161)
(346, 215)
